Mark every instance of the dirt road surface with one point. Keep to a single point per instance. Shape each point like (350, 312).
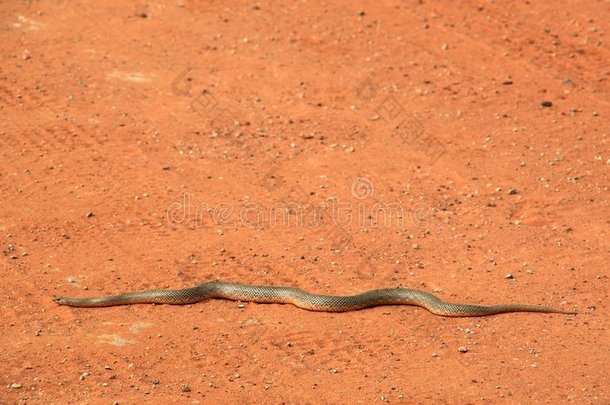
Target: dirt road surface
(462, 149)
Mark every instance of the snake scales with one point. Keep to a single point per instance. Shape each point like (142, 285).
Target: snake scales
(302, 299)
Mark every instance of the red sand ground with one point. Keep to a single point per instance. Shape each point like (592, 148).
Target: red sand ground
(318, 145)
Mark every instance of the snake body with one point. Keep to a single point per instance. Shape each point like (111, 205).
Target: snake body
(303, 299)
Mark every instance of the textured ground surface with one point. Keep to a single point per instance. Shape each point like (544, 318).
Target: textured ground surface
(317, 145)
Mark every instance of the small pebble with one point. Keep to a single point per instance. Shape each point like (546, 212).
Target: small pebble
(89, 214)
(509, 276)
(462, 349)
(185, 388)
(546, 103)
(512, 191)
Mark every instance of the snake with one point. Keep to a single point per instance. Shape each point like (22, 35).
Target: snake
(302, 299)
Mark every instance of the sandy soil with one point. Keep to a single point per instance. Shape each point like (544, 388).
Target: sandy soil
(461, 149)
